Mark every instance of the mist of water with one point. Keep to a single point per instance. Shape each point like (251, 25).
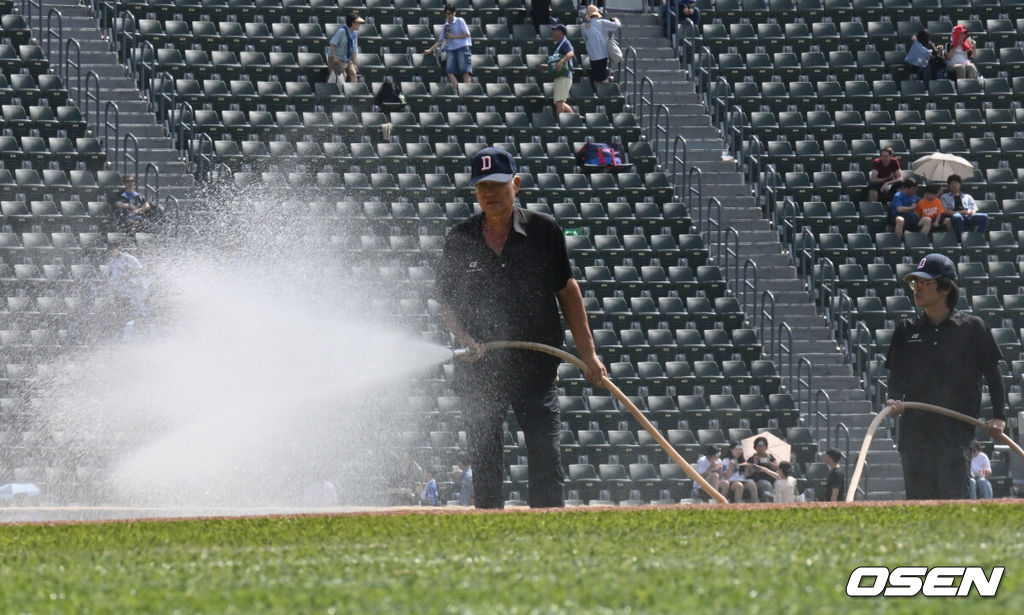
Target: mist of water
(263, 370)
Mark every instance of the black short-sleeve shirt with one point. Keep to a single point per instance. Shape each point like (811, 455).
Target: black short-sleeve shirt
(836, 478)
(511, 296)
(942, 365)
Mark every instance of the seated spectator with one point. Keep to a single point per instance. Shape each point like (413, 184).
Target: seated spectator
(836, 479)
(885, 171)
(126, 280)
(739, 487)
(903, 210)
(342, 50)
(762, 469)
(924, 58)
(709, 466)
(931, 213)
(405, 480)
(133, 212)
(429, 495)
(785, 484)
(960, 54)
(962, 209)
(684, 9)
(981, 469)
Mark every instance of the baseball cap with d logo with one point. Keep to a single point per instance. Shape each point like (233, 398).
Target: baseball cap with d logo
(492, 164)
(934, 266)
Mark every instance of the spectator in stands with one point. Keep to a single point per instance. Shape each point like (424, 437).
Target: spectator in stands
(126, 280)
(762, 469)
(428, 494)
(405, 479)
(981, 469)
(930, 211)
(684, 9)
(710, 467)
(560, 65)
(785, 484)
(960, 54)
(465, 480)
(595, 33)
(836, 479)
(455, 39)
(740, 488)
(925, 58)
(133, 211)
(885, 171)
(903, 210)
(540, 13)
(503, 275)
(962, 209)
(343, 48)
(940, 357)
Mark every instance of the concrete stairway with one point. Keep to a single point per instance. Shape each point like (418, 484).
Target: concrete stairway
(134, 116)
(812, 338)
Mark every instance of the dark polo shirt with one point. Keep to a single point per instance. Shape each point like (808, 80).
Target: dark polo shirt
(943, 365)
(511, 296)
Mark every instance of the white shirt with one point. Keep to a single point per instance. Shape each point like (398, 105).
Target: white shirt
(978, 463)
(703, 464)
(785, 489)
(122, 269)
(595, 35)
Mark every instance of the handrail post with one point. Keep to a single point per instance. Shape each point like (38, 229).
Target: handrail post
(660, 131)
(151, 188)
(697, 191)
(732, 254)
(134, 158)
(58, 34)
(784, 327)
(802, 384)
(115, 126)
(746, 284)
(767, 295)
(820, 394)
(677, 186)
(77, 63)
(94, 97)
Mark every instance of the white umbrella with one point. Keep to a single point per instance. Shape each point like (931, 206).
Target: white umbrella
(938, 167)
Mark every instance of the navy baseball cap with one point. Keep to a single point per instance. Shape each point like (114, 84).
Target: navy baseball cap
(492, 164)
(934, 266)
(561, 28)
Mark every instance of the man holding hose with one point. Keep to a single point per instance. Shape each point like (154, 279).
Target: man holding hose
(939, 357)
(504, 273)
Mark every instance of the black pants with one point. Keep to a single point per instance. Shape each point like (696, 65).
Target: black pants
(941, 473)
(536, 409)
(598, 71)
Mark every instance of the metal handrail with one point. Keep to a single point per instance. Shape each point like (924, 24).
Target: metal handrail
(732, 255)
(686, 34)
(58, 34)
(692, 192)
(139, 67)
(734, 139)
(76, 63)
(628, 75)
(862, 358)
(134, 157)
(94, 97)
(645, 101)
(179, 128)
(162, 102)
(714, 219)
(785, 328)
(26, 10)
(802, 384)
(702, 74)
(115, 126)
(842, 324)
(842, 428)
(818, 414)
(751, 166)
(203, 163)
(678, 187)
(147, 187)
(787, 226)
(123, 40)
(770, 315)
(824, 299)
(770, 194)
(660, 131)
(746, 284)
(718, 106)
(171, 203)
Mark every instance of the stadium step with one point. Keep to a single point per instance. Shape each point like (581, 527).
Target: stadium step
(132, 113)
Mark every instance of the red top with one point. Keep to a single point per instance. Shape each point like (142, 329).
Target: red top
(886, 171)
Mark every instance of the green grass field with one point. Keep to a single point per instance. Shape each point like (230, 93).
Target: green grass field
(577, 561)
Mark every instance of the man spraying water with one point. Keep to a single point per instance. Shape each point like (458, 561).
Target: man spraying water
(504, 274)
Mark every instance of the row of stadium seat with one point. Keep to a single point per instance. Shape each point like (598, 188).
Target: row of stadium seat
(814, 11)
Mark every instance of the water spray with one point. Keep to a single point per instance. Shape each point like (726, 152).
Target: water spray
(914, 405)
(619, 395)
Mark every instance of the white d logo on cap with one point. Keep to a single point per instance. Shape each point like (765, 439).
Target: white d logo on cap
(485, 163)
(921, 264)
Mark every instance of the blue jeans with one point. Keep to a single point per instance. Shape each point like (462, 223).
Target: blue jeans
(982, 485)
(974, 222)
(459, 62)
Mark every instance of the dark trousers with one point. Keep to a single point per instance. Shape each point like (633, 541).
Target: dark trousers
(942, 473)
(536, 409)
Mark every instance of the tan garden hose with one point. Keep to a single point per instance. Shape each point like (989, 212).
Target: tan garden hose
(637, 414)
(914, 405)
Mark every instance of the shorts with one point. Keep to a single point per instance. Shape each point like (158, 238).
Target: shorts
(562, 87)
(911, 221)
(599, 70)
(459, 62)
(339, 66)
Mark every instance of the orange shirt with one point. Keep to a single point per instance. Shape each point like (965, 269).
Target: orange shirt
(930, 208)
